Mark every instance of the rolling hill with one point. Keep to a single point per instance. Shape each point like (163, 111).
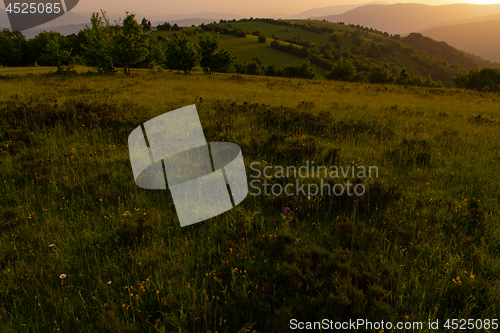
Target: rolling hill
(64, 30)
(187, 22)
(244, 49)
(492, 17)
(480, 38)
(333, 10)
(422, 56)
(73, 22)
(403, 18)
(290, 42)
(475, 34)
(83, 17)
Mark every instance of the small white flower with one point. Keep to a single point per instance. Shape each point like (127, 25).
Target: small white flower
(109, 282)
(62, 276)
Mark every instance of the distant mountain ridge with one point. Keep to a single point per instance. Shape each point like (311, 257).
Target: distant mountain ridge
(394, 18)
(187, 22)
(492, 17)
(466, 27)
(205, 15)
(332, 10)
(74, 22)
(62, 29)
(479, 38)
(404, 18)
(80, 17)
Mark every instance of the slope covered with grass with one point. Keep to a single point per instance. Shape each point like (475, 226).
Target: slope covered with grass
(246, 48)
(82, 248)
(368, 49)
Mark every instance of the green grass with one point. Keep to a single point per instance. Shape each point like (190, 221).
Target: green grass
(389, 53)
(247, 48)
(424, 244)
(284, 32)
(9, 71)
(320, 23)
(244, 49)
(384, 54)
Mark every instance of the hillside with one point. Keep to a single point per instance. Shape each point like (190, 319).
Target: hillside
(187, 22)
(331, 10)
(192, 19)
(212, 16)
(272, 47)
(244, 49)
(492, 17)
(440, 49)
(409, 17)
(480, 38)
(64, 30)
(366, 47)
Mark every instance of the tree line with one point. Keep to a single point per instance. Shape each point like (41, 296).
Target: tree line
(105, 47)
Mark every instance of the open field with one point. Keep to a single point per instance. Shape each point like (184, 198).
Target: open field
(284, 32)
(246, 48)
(422, 244)
(367, 50)
(10, 71)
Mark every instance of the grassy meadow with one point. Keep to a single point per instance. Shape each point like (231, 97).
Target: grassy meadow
(368, 50)
(285, 32)
(22, 71)
(246, 48)
(83, 249)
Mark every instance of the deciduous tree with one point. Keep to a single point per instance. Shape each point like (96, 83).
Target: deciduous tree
(13, 48)
(55, 55)
(211, 60)
(182, 54)
(99, 50)
(130, 44)
(343, 70)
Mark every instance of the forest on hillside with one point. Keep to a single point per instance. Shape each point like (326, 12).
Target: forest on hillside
(343, 52)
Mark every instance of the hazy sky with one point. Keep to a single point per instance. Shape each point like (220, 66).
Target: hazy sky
(246, 8)
(255, 8)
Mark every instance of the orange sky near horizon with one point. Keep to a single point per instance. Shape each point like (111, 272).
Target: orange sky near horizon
(483, 2)
(255, 8)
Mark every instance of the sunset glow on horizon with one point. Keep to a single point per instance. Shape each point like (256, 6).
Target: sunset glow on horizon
(258, 8)
(482, 2)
